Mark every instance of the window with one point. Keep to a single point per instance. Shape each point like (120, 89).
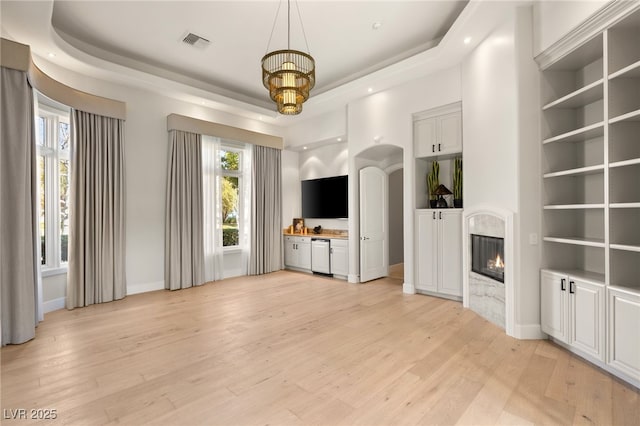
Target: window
(231, 194)
(53, 140)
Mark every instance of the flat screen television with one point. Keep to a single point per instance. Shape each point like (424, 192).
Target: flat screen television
(325, 198)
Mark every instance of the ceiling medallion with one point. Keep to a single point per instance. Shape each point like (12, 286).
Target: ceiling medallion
(288, 74)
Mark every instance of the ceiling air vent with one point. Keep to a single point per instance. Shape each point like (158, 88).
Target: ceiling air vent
(195, 40)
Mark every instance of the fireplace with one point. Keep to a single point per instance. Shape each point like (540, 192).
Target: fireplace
(487, 256)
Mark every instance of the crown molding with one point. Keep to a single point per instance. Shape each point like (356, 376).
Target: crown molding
(591, 27)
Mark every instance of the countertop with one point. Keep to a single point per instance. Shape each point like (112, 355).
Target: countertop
(321, 235)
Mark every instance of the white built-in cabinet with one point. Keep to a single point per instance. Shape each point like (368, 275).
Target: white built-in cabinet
(297, 252)
(591, 195)
(439, 252)
(298, 255)
(439, 134)
(339, 257)
(573, 311)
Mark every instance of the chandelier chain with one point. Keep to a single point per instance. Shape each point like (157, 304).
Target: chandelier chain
(275, 21)
(304, 35)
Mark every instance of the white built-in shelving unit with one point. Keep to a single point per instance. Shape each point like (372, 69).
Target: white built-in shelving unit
(591, 196)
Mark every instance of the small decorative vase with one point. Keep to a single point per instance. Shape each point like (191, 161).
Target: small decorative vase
(457, 203)
(433, 203)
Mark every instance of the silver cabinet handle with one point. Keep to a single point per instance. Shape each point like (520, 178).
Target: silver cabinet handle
(440, 215)
(434, 215)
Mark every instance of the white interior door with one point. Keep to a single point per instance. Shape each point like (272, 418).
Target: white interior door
(374, 256)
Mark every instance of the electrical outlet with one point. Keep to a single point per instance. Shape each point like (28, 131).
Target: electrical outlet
(533, 239)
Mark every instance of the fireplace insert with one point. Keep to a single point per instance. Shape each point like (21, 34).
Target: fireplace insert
(487, 256)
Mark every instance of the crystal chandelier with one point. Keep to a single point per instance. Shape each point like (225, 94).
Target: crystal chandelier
(288, 74)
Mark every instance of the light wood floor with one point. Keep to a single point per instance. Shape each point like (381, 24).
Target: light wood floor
(290, 348)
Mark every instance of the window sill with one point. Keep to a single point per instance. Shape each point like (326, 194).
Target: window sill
(50, 272)
(232, 250)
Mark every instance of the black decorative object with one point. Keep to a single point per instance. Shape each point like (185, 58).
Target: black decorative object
(317, 230)
(440, 191)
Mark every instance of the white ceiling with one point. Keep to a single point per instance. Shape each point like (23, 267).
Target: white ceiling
(339, 33)
(140, 42)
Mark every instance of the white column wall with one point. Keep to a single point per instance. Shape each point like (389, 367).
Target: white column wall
(386, 118)
(501, 148)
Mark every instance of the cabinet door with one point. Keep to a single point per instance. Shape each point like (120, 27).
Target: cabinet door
(426, 253)
(304, 253)
(586, 317)
(450, 255)
(339, 257)
(320, 257)
(624, 337)
(449, 133)
(290, 254)
(425, 137)
(553, 304)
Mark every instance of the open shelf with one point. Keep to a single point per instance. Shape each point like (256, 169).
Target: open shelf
(623, 183)
(624, 98)
(587, 132)
(624, 205)
(630, 116)
(576, 241)
(632, 70)
(624, 232)
(623, 46)
(624, 143)
(574, 206)
(625, 163)
(581, 97)
(577, 70)
(579, 171)
(576, 260)
(559, 122)
(625, 268)
(574, 189)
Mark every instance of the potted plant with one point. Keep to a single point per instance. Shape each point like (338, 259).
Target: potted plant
(457, 182)
(433, 181)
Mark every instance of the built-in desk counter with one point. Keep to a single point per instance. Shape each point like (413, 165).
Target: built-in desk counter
(298, 256)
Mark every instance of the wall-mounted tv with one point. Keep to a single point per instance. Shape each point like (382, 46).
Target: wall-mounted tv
(325, 198)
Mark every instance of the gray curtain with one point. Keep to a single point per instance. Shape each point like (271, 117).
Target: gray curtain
(266, 211)
(18, 210)
(184, 226)
(96, 271)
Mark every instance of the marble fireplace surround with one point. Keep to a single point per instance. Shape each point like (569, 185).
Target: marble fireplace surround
(490, 299)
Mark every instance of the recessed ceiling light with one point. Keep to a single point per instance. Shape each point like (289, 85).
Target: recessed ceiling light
(339, 139)
(52, 55)
(467, 40)
(370, 90)
(304, 147)
(376, 25)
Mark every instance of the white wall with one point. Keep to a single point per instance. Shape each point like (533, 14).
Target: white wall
(500, 102)
(291, 199)
(554, 19)
(318, 130)
(385, 118)
(328, 159)
(146, 162)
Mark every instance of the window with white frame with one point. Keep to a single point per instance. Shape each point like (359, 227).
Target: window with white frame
(54, 171)
(231, 175)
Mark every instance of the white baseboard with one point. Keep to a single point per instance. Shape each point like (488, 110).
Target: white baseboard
(353, 278)
(408, 288)
(54, 305)
(144, 287)
(528, 332)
